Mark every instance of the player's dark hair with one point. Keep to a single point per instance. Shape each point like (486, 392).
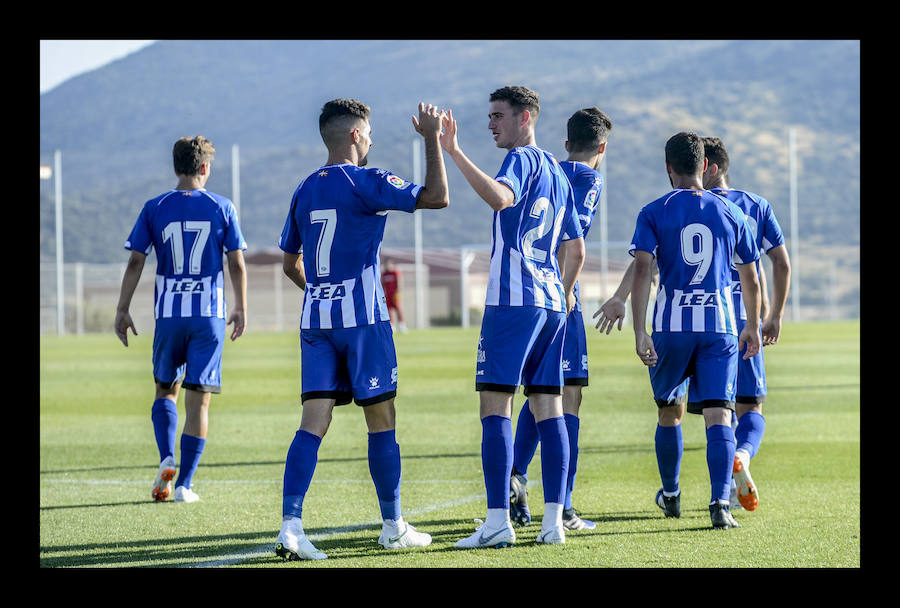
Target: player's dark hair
(189, 153)
(519, 98)
(684, 152)
(587, 129)
(714, 149)
(337, 112)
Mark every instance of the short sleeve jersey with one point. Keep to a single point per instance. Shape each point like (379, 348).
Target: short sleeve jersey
(189, 230)
(527, 235)
(695, 236)
(764, 227)
(587, 184)
(337, 219)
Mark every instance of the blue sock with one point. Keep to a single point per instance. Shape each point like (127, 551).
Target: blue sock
(554, 458)
(573, 425)
(720, 460)
(526, 441)
(164, 415)
(384, 466)
(191, 450)
(299, 467)
(750, 431)
(496, 459)
(669, 448)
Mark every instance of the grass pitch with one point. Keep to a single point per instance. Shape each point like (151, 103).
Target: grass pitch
(98, 459)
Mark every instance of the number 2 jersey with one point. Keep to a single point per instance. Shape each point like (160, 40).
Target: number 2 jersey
(764, 227)
(526, 236)
(695, 236)
(337, 221)
(189, 230)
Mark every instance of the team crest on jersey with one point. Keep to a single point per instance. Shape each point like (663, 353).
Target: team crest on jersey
(396, 182)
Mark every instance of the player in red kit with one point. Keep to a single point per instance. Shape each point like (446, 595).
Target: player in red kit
(392, 282)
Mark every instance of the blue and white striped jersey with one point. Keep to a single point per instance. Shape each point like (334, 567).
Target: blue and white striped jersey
(586, 185)
(526, 236)
(764, 227)
(695, 236)
(337, 221)
(190, 230)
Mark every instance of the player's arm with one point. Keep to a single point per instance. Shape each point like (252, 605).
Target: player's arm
(750, 294)
(781, 281)
(435, 194)
(571, 256)
(238, 273)
(130, 280)
(763, 293)
(495, 194)
(640, 296)
(292, 265)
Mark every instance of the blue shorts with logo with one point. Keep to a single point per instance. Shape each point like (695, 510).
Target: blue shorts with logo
(520, 345)
(704, 363)
(192, 347)
(751, 377)
(348, 364)
(574, 358)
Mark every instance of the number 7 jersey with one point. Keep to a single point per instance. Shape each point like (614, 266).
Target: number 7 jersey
(190, 230)
(695, 236)
(337, 221)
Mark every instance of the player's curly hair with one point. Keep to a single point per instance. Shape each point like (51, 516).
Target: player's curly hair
(191, 152)
(339, 111)
(519, 98)
(587, 129)
(684, 152)
(714, 149)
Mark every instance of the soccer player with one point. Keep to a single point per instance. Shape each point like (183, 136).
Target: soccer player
(523, 327)
(392, 282)
(588, 130)
(751, 377)
(337, 216)
(189, 227)
(694, 236)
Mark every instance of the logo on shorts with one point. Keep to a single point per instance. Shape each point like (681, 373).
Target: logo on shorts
(373, 382)
(482, 357)
(565, 365)
(396, 182)
(394, 376)
(584, 364)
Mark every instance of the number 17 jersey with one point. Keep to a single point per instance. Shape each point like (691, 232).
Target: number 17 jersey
(337, 221)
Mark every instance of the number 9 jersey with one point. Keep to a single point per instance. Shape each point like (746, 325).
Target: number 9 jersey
(695, 236)
(337, 221)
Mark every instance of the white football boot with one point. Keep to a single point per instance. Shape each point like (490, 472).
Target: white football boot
(183, 494)
(497, 538)
(162, 487)
(747, 494)
(292, 544)
(402, 535)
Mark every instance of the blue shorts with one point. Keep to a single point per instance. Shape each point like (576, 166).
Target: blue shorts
(189, 346)
(353, 363)
(751, 377)
(520, 345)
(574, 358)
(704, 362)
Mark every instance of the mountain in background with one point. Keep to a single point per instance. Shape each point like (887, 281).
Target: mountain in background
(116, 125)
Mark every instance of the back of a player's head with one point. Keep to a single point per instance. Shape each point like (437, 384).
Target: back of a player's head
(587, 129)
(519, 98)
(684, 153)
(715, 152)
(340, 116)
(191, 152)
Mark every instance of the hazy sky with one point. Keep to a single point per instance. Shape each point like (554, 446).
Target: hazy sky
(63, 59)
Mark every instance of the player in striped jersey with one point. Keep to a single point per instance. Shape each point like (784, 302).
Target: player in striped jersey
(587, 130)
(337, 218)
(695, 236)
(751, 379)
(527, 302)
(189, 227)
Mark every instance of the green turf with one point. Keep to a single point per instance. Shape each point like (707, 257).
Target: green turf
(98, 459)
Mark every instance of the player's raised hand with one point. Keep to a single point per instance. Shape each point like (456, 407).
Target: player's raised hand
(429, 119)
(122, 323)
(240, 323)
(613, 310)
(448, 135)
